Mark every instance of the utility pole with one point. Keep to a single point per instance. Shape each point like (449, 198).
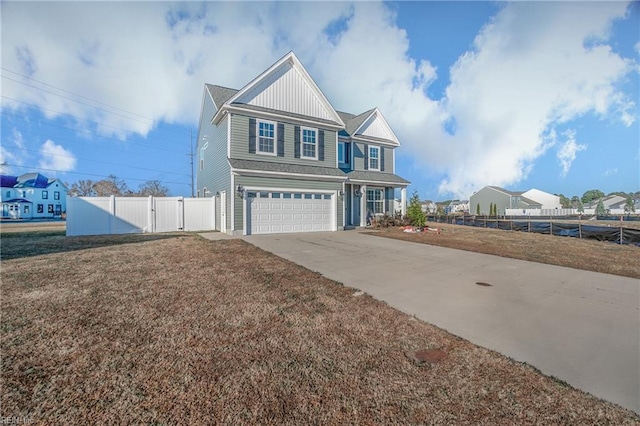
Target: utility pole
(191, 158)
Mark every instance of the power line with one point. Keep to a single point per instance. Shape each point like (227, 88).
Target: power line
(87, 174)
(72, 93)
(150, 146)
(102, 162)
(149, 120)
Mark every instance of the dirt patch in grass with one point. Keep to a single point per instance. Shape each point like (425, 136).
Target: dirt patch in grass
(185, 330)
(589, 255)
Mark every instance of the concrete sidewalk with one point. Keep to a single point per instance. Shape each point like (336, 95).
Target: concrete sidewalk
(581, 327)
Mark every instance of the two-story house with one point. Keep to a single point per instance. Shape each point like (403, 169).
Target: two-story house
(32, 196)
(279, 158)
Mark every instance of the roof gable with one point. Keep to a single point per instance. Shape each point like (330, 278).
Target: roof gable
(376, 126)
(220, 94)
(287, 86)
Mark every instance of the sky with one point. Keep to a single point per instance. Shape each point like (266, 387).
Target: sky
(515, 94)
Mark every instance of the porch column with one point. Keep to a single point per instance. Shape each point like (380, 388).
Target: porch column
(363, 205)
(403, 201)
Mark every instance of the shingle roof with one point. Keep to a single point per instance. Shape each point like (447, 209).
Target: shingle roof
(267, 166)
(32, 180)
(376, 176)
(220, 94)
(7, 181)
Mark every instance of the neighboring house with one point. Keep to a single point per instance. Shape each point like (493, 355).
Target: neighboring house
(610, 202)
(279, 158)
(32, 196)
(502, 198)
(548, 201)
(457, 206)
(428, 206)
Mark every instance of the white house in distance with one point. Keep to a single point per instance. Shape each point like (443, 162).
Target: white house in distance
(32, 196)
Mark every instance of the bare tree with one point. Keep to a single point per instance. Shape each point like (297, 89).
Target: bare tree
(111, 186)
(82, 188)
(154, 188)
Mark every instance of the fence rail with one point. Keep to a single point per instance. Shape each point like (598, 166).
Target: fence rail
(133, 215)
(615, 234)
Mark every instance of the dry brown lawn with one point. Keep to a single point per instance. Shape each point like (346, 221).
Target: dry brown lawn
(590, 255)
(182, 330)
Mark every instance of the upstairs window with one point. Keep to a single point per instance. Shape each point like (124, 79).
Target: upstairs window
(374, 158)
(343, 153)
(266, 137)
(309, 145)
(45, 195)
(56, 195)
(204, 147)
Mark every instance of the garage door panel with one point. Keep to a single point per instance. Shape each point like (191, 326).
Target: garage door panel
(310, 212)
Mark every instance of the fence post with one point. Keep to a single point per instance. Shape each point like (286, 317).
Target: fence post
(112, 212)
(620, 235)
(550, 226)
(150, 216)
(580, 229)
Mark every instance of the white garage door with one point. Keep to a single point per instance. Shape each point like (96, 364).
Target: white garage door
(277, 212)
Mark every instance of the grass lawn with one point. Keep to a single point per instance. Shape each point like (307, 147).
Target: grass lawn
(589, 255)
(175, 329)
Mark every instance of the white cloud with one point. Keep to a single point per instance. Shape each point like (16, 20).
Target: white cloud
(567, 152)
(12, 154)
(56, 158)
(530, 72)
(534, 66)
(610, 172)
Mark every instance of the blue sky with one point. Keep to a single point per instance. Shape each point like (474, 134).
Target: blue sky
(521, 95)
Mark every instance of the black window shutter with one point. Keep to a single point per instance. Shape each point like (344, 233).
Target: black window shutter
(366, 157)
(280, 139)
(382, 159)
(296, 142)
(321, 145)
(252, 136)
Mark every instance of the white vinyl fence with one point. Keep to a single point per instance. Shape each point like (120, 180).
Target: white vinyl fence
(134, 215)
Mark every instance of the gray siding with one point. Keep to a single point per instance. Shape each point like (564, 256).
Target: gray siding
(240, 145)
(216, 174)
(485, 197)
(359, 156)
(252, 181)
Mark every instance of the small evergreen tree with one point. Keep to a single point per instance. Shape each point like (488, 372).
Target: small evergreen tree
(600, 210)
(414, 211)
(490, 209)
(478, 209)
(629, 206)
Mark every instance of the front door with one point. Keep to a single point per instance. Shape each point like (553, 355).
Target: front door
(355, 204)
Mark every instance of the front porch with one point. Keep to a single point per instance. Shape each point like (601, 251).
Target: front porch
(362, 201)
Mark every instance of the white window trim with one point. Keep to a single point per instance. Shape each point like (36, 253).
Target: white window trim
(377, 148)
(275, 138)
(348, 158)
(382, 200)
(302, 142)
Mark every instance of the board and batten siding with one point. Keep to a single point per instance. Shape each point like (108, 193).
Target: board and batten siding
(216, 173)
(240, 144)
(359, 156)
(294, 184)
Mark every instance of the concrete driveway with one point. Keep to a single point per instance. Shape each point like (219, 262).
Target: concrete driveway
(581, 327)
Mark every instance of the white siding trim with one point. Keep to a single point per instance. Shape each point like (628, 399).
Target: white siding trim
(232, 197)
(229, 136)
